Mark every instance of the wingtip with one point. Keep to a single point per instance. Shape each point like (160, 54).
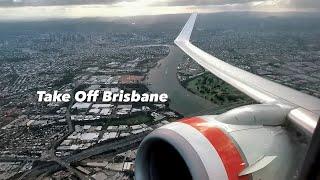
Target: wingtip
(185, 34)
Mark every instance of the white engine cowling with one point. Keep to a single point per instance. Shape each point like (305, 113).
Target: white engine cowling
(202, 148)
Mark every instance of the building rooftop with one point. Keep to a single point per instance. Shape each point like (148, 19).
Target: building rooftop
(81, 105)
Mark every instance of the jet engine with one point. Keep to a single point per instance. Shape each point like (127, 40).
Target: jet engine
(244, 143)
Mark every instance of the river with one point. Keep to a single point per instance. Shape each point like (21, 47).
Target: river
(163, 79)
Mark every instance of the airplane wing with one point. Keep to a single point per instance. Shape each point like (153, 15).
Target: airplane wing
(303, 109)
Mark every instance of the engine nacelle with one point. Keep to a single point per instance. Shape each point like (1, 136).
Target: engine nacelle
(202, 148)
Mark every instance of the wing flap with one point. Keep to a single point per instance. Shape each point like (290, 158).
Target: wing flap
(258, 165)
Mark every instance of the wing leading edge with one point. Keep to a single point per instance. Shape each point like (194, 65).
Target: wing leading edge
(298, 104)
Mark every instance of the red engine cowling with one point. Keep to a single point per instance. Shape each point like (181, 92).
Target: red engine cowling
(202, 148)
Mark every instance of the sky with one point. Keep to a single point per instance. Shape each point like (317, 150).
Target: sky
(44, 9)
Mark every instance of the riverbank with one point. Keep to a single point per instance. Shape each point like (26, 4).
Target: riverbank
(215, 90)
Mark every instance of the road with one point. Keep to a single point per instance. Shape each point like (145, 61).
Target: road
(111, 148)
(71, 169)
(125, 144)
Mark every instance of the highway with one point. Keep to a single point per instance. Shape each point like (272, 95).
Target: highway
(119, 145)
(111, 148)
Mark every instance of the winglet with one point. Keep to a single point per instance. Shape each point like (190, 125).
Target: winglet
(185, 34)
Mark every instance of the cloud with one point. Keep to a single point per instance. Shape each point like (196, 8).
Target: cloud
(305, 3)
(202, 2)
(297, 4)
(111, 2)
(45, 9)
(14, 3)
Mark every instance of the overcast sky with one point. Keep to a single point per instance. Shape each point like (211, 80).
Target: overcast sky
(42, 9)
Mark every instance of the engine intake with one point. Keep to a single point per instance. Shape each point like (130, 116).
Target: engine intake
(177, 151)
(163, 161)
